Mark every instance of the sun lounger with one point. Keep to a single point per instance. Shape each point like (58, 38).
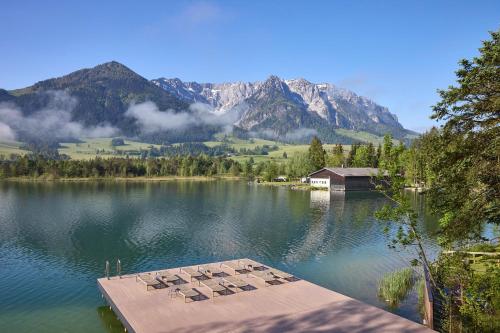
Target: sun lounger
(265, 276)
(185, 291)
(148, 280)
(214, 286)
(280, 274)
(236, 282)
(193, 273)
(253, 265)
(210, 270)
(167, 278)
(235, 266)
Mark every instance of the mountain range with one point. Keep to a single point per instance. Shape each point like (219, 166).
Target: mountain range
(282, 105)
(291, 110)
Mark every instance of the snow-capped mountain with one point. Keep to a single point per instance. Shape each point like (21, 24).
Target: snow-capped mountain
(282, 105)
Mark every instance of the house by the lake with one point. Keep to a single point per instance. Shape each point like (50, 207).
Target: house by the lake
(345, 179)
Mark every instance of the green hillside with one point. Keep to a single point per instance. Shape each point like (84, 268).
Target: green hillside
(91, 147)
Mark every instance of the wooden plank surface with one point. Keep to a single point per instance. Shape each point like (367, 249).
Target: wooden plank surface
(290, 307)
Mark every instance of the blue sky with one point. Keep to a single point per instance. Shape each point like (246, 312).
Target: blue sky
(395, 52)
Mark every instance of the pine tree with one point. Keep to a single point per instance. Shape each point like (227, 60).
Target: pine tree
(352, 153)
(372, 155)
(317, 154)
(249, 169)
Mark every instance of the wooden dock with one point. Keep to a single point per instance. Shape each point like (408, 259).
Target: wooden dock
(296, 306)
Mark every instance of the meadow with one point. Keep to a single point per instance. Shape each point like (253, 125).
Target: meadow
(11, 147)
(93, 147)
(89, 148)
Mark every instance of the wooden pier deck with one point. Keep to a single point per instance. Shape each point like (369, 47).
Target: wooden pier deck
(297, 306)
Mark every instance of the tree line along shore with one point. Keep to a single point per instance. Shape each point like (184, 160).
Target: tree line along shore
(40, 167)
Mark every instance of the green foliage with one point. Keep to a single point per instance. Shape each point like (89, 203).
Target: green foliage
(394, 287)
(337, 158)
(38, 166)
(466, 160)
(271, 171)
(459, 167)
(421, 298)
(104, 94)
(418, 159)
(317, 154)
(483, 248)
(235, 169)
(258, 150)
(248, 169)
(399, 218)
(299, 166)
(480, 310)
(363, 156)
(472, 296)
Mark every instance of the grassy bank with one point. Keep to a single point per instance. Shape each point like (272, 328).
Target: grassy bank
(291, 185)
(120, 179)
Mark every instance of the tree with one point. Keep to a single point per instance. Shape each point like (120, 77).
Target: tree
(372, 156)
(336, 159)
(362, 157)
(461, 167)
(248, 170)
(466, 187)
(386, 157)
(378, 154)
(317, 154)
(235, 169)
(271, 171)
(299, 165)
(352, 153)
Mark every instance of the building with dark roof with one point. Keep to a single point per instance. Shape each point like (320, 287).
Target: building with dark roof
(346, 179)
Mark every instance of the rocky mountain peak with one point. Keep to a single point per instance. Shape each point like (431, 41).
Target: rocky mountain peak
(273, 87)
(289, 104)
(273, 82)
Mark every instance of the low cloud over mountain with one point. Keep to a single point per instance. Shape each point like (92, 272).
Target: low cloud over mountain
(110, 99)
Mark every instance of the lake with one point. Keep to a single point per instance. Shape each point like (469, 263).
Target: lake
(56, 237)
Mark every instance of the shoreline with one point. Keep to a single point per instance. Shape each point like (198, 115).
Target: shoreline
(119, 179)
(291, 185)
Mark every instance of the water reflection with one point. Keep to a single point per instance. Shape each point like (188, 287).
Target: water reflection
(320, 200)
(109, 321)
(64, 232)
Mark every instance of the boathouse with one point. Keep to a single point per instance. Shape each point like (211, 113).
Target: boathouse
(345, 179)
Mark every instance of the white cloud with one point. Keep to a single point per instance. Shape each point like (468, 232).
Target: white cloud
(293, 135)
(52, 122)
(197, 14)
(151, 119)
(6, 133)
(300, 133)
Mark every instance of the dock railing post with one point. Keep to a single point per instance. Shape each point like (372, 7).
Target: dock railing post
(119, 268)
(106, 270)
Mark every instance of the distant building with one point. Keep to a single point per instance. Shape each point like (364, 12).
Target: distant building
(345, 179)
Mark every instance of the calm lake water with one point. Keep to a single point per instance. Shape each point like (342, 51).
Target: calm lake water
(56, 237)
